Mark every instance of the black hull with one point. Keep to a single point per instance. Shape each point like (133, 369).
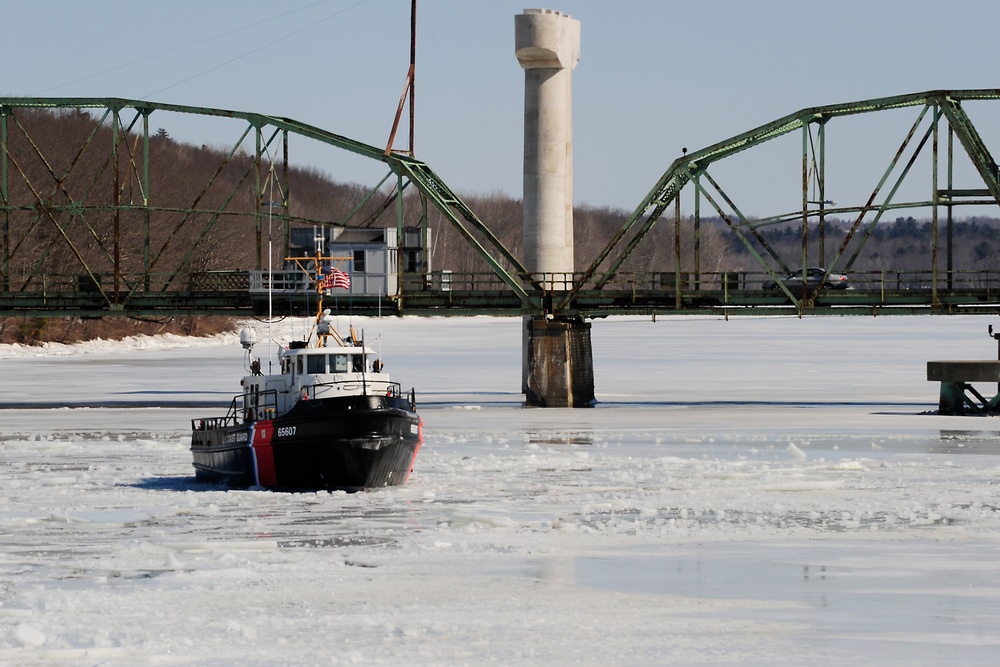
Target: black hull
(352, 442)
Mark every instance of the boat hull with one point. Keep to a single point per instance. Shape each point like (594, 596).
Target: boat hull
(349, 442)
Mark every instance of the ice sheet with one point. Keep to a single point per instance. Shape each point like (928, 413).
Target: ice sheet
(752, 491)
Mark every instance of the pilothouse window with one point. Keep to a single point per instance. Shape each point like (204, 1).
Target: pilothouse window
(316, 363)
(358, 363)
(338, 363)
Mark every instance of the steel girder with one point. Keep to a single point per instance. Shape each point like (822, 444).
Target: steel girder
(58, 208)
(692, 167)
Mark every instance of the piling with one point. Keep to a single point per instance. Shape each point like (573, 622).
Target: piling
(557, 361)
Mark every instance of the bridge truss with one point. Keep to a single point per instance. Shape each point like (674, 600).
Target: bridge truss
(90, 225)
(96, 230)
(924, 290)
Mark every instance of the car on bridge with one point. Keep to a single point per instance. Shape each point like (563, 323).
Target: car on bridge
(813, 276)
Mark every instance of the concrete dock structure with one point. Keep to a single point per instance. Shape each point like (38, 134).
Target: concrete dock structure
(958, 396)
(557, 361)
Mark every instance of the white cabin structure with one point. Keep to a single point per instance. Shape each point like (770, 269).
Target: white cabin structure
(372, 259)
(310, 373)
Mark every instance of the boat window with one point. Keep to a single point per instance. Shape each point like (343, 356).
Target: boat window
(316, 363)
(338, 363)
(358, 363)
(299, 364)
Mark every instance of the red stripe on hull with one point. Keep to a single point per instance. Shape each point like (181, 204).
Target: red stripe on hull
(420, 441)
(263, 453)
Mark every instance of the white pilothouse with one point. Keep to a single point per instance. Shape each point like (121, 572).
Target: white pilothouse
(335, 367)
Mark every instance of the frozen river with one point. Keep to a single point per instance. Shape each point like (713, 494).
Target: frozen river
(747, 492)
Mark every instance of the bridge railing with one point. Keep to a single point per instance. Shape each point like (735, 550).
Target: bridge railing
(900, 281)
(59, 283)
(279, 282)
(456, 281)
(452, 281)
(754, 281)
(485, 292)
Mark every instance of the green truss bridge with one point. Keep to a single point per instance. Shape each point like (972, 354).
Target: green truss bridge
(96, 219)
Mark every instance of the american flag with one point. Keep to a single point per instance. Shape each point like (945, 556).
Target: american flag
(335, 278)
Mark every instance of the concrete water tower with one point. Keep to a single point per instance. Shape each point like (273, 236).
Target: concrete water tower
(547, 45)
(557, 362)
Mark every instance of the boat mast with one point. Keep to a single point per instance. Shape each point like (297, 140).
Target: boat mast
(316, 275)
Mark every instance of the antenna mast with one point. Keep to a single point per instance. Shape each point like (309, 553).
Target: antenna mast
(409, 86)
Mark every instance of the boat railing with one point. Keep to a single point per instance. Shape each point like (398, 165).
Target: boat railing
(361, 386)
(243, 409)
(256, 405)
(211, 423)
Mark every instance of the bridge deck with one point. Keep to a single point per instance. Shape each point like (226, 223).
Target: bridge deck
(963, 371)
(586, 303)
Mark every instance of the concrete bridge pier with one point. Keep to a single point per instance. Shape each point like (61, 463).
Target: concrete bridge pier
(557, 362)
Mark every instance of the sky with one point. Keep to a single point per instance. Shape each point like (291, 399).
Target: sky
(655, 76)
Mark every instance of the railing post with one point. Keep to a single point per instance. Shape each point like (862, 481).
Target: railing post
(677, 251)
(697, 237)
(258, 196)
(116, 202)
(951, 147)
(5, 240)
(805, 203)
(146, 194)
(934, 207)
